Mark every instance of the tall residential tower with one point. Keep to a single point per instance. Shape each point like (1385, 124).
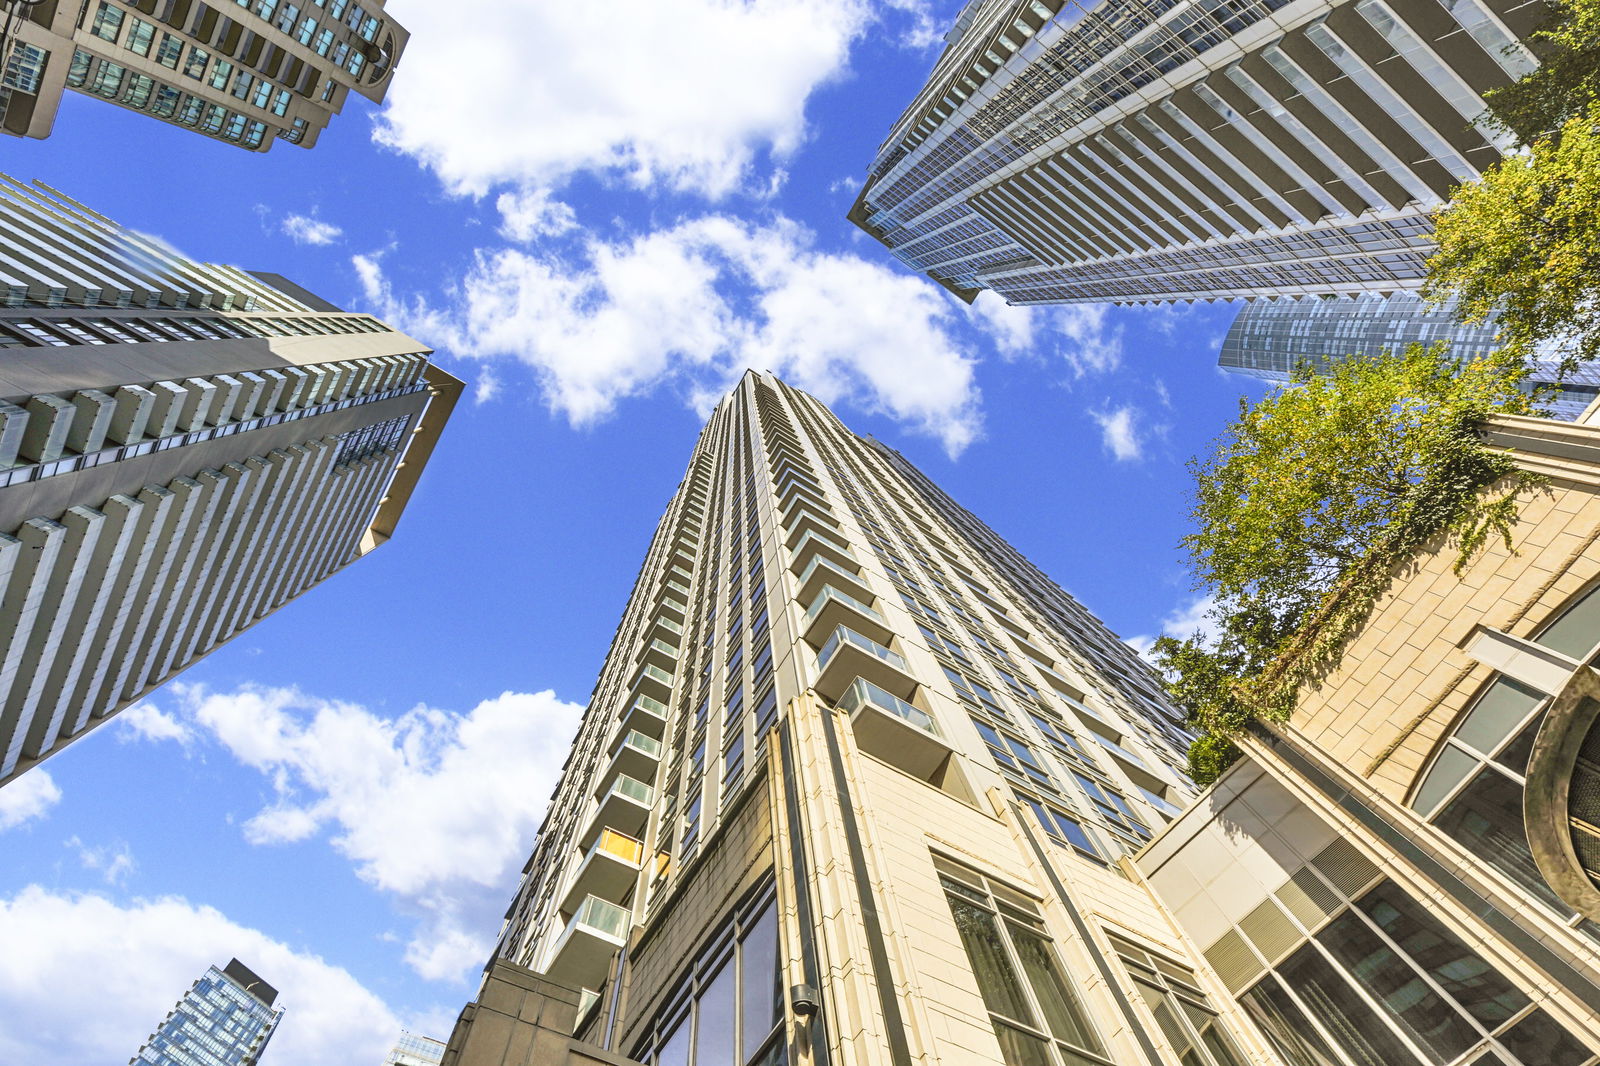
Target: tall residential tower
(859, 785)
(184, 448)
(1128, 151)
(246, 72)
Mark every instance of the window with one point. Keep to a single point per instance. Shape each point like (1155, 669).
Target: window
(195, 65)
(168, 51)
(1113, 806)
(220, 74)
(1013, 755)
(728, 1007)
(1062, 828)
(1172, 992)
(974, 694)
(1388, 984)
(107, 22)
(140, 36)
(1063, 741)
(733, 763)
(1036, 1012)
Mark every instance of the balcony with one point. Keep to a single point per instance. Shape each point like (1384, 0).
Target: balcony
(597, 931)
(805, 499)
(652, 681)
(625, 807)
(661, 654)
(848, 655)
(893, 730)
(634, 755)
(833, 608)
(821, 572)
(644, 715)
(806, 520)
(664, 628)
(815, 545)
(609, 870)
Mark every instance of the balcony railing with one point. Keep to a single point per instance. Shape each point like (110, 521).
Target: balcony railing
(582, 955)
(830, 593)
(896, 731)
(844, 635)
(847, 655)
(864, 693)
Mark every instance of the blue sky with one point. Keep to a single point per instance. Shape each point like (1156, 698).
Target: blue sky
(599, 215)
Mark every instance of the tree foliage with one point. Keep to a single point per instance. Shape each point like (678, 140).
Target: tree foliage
(1566, 82)
(1523, 240)
(1309, 501)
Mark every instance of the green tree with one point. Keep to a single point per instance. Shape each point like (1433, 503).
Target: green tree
(1566, 81)
(1307, 503)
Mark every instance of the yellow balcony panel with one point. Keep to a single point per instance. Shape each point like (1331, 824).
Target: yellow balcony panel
(609, 870)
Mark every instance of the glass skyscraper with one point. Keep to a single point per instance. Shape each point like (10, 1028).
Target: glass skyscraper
(1271, 338)
(1130, 150)
(226, 1019)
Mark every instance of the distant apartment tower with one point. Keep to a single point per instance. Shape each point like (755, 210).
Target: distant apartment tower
(1122, 151)
(1271, 338)
(184, 448)
(859, 785)
(246, 72)
(414, 1050)
(226, 1019)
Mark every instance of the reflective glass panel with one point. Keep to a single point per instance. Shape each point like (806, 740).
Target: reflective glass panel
(1342, 1012)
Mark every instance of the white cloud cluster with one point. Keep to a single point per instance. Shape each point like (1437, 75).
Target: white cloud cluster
(1119, 432)
(695, 305)
(142, 956)
(434, 808)
(687, 94)
(146, 721)
(1077, 334)
(1189, 619)
(113, 862)
(28, 797)
(304, 229)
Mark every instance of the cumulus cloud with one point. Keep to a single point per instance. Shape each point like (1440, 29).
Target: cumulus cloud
(1077, 334)
(1119, 432)
(696, 304)
(304, 229)
(113, 862)
(146, 721)
(143, 956)
(26, 798)
(527, 214)
(687, 94)
(434, 808)
(1192, 618)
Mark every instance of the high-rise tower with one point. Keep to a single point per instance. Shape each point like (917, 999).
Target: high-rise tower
(1125, 151)
(246, 73)
(225, 1019)
(184, 448)
(1270, 339)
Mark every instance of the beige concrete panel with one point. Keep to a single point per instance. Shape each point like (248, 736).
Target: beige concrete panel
(115, 552)
(200, 396)
(238, 542)
(226, 408)
(287, 481)
(166, 409)
(21, 609)
(131, 415)
(233, 489)
(252, 387)
(299, 384)
(92, 421)
(53, 639)
(45, 436)
(272, 392)
(13, 423)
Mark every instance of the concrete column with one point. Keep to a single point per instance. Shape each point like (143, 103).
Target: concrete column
(166, 408)
(225, 586)
(52, 638)
(190, 550)
(252, 388)
(91, 422)
(13, 423)
(45, 436)
(225, 409)
(299, 387)
(272, 392)
(131, 415)
(40, 542)
(234, 486)
(200, 396)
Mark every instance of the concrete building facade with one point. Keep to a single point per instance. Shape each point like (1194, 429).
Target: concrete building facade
(184, 448)
(1123, 151)
(859, 785)
(1270, 339)
(225, 1019)
(244, 72)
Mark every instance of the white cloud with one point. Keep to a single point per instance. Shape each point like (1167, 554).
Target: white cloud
(531, 213)
(303, 229)
(114, 863)
(694, 306)
(922, 29)
(437, 809)
(1010, 327)
(27, 797)
(1119, 432)
(687, 94)
(1077, 334)
(146, 721)
(1188, 619)
(143, 956)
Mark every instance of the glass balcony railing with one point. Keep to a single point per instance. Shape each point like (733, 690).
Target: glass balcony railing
(632, 789)
(813, 538)
(830, 593)
(845, 635)
(642, 744)
(864, 693)
(664, 648)
(655, 673)
(602, 917)
(826, 565)
(650, 704)
(670, 626)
